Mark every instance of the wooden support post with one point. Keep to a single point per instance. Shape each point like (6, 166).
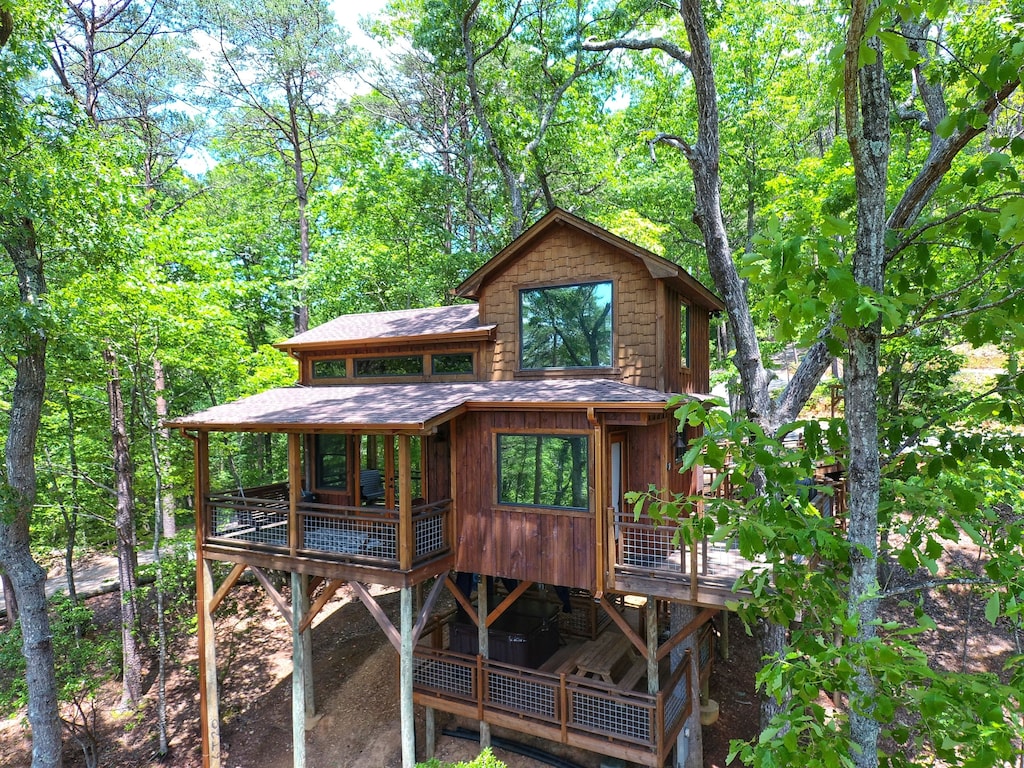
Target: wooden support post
(651, 617)
(209, 704)
(300, 604)
(483, 641)
(430, 727)
(405, 532)
(723, 641)
(405, 682)
(294, 492)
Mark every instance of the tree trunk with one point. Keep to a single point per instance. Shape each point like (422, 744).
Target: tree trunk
(127, 563)
(867, 124)
(165, 492)
(20, 495)
(10, 599)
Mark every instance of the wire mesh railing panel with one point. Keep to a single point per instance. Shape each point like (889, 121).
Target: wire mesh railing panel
(430, 533)
(251, 521)
(522, 694)
(648, 546)
(445, 676)
(350, 536)
(677, 699)
(610, 716)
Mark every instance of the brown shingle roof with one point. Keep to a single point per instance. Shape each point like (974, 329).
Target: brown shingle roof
(456, 320)
(408, 407)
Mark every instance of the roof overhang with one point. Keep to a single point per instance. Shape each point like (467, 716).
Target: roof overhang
(416, 409)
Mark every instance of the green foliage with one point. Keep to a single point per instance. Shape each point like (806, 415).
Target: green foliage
(485, 759)
(85, 656)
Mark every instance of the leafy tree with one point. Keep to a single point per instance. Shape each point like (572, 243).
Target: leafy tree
(857, 268)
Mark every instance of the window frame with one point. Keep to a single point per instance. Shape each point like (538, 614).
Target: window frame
(497, 439)
(523, 291)
(318, 461)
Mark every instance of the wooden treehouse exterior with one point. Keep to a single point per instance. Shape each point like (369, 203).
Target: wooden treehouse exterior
(491, 444)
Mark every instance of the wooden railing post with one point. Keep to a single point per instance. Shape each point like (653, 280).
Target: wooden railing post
(405, 531)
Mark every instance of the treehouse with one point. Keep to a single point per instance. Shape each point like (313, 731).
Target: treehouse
(486, 448)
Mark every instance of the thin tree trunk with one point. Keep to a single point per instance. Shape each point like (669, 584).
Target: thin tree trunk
(131, 690)
(164, 493)
(27, 577)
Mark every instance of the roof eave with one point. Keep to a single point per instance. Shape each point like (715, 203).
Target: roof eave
(482, 333)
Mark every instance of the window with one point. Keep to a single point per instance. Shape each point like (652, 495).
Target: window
(451, 364)
(566, 326)
(544, 471)
(331, 461)
(329, 369)
(406, 365)
(684, 335)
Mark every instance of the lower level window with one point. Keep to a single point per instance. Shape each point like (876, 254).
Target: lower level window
(332, 461)
(544, 471)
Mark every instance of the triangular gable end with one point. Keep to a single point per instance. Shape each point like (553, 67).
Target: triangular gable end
(658, 267)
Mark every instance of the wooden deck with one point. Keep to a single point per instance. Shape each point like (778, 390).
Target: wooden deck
(562, 701)
(257, 526)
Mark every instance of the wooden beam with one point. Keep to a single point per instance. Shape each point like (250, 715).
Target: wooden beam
(332, 586)
(602, 488)
(637, 641)
(225, 587)
(209, 704)
(294, 492)
(462, 600)
(275, 596)
(505, 604)
(428, 607)
(392, 634)
(405, 532)
(692, 626)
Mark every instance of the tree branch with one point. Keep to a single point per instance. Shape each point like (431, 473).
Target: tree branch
(641, 44)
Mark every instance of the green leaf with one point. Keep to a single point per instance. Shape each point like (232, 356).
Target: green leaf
(992, 608)
(897, 45)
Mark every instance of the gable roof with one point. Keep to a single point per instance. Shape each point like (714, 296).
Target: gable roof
(658, 267)
(456, 322)
(409, 408)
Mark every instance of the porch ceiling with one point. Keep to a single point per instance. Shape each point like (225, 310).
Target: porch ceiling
(409, 408)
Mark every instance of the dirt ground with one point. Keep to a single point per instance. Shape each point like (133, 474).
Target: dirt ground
(356, 682)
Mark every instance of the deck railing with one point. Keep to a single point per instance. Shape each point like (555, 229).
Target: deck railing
(656, 551)
(573, 710)
(260, 519)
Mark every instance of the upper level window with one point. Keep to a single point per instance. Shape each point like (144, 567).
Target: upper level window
(684, 335)
(329, 369)
(568, 326)
(460, 362)
(331, 461)
(544, 471)
(405, 365)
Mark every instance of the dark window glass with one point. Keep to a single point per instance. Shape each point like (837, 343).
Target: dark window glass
(684, 335)
(566, 327)
(331, 461)
(407, 365)
(544, 471)
(329, 369)
(456, 363)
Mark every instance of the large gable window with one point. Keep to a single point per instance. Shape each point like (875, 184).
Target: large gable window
(568, 326)
(544, 471)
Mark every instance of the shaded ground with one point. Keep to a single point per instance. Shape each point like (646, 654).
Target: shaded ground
(357, 688)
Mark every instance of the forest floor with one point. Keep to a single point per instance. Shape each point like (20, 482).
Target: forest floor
(356, 678)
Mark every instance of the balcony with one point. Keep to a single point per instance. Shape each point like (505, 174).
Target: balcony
(558, 705)
(257, 525)
(647, 558)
